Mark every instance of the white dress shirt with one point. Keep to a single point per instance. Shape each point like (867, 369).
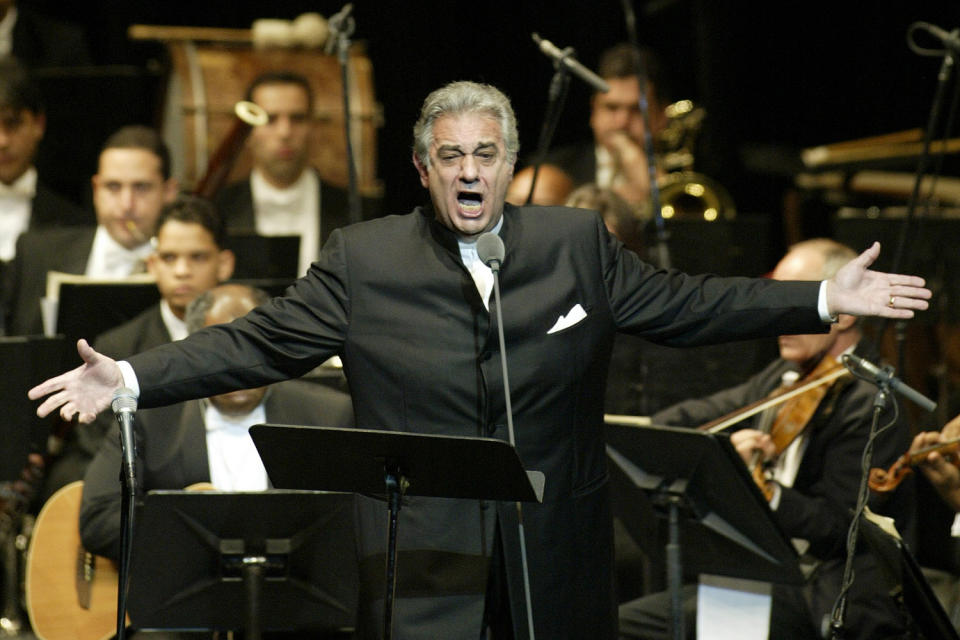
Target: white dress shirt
(6, 31)
(110, 259)
(291, 211)
(234, 462)
(16, 201)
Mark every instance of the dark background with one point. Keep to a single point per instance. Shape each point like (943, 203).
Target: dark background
(774, 77)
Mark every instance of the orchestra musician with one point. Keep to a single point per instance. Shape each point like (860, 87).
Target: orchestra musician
(813, 483)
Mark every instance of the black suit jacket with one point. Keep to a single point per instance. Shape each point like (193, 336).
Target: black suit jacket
(64, 249)
(393, 298)
(235, 203)
(140, 333)
(817, 507)
(172, 452)
(48, 209)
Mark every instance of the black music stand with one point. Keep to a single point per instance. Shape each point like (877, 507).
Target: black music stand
(394, 464)
(273, 560)
(87, 309)
(270, 257)
(717, 515)
(907, 579)
(27, 361)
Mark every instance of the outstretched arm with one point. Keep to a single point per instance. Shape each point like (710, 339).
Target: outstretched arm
(84, 391)
(858, 291)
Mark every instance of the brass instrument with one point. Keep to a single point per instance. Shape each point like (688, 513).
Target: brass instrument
(684, 193)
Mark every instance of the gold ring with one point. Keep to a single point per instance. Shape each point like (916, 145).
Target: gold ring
(893, 301)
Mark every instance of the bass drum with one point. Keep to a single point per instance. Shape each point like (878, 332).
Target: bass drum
(208, 79)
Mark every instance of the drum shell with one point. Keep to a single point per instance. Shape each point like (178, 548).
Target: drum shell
(207, 79)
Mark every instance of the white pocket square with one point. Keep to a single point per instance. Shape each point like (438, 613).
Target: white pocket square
(575, 315)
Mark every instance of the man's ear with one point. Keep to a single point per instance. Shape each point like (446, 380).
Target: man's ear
(422, 170)
(151, 264)
(171, 188)
(226, 262)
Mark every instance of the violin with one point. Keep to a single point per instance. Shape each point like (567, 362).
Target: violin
(799, 402)
(883, 480)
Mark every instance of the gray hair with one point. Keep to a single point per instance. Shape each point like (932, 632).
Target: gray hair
(195, 316)
(465, 97)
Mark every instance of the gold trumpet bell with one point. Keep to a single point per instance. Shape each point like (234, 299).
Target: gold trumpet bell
(688, 195)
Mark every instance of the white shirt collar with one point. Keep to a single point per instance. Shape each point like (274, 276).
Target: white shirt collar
(176, 327)
(23, 187)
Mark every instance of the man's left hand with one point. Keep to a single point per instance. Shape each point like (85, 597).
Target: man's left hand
(858, 291)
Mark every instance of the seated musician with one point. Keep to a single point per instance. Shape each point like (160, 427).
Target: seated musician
(203, 440)
(284, 194)
(813, 482)
(939, 464)
(189, 258)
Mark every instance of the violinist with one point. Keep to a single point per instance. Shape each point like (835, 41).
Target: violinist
(940, 464)
(812, 484)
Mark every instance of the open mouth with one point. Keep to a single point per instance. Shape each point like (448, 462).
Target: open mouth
(470, 203)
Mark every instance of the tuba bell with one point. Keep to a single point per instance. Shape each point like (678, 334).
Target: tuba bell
(684, 193)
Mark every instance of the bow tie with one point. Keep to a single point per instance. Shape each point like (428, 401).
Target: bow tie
(16, 190)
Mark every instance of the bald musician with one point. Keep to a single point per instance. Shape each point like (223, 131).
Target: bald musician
(813, 484)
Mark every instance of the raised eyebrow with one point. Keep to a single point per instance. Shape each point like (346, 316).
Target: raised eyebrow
(449, 147)
(485, 145)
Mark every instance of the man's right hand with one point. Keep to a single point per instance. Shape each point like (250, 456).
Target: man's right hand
(84, 391)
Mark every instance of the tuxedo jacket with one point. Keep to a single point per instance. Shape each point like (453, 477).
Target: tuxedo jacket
(817, 506)
(48, 209)
(392, 297)
(235, 203)
(64, 249)
(145, 331)
(172, 452)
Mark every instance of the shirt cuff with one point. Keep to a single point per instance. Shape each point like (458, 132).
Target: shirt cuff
(129, 377)
(822, 305)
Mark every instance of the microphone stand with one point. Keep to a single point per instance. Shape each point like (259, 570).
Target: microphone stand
(342, 27)
(838, 614)
(495, 268)
(660, 253)
(556, 97)
(943, 78)
(128, 477)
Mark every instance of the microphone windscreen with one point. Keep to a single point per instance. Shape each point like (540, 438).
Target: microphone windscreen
(490, 247)
(124, 399)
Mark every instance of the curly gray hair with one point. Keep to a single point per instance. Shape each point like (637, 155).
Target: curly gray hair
(465, 97)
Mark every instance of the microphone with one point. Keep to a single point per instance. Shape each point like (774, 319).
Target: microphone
(336, 25)
(491, 252)
(883, 376)
(124, 406)
(949, 39)
(566, 59)
(490, 249)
